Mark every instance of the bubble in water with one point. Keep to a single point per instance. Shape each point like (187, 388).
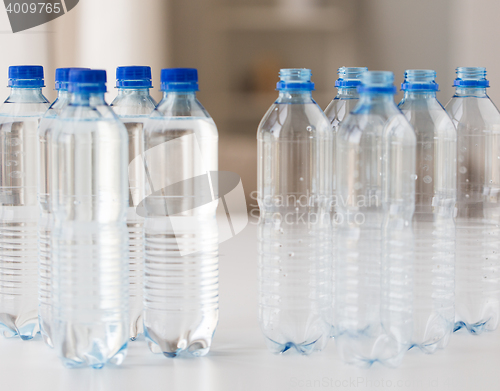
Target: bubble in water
(309, 128)
(77, 202)
(301, 179)
(427, 179)
(291, 254)
(414, 177)
(467, 196)
(16, 174)
(462, 170)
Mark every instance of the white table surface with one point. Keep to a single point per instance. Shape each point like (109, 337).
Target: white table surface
(239, 360)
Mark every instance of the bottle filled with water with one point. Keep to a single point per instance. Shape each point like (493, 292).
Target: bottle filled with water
(19, 119)
(338, 109)
(433, 220)
(45, 220)
(375, 154)
(89, 201)
(133, 105)
(181, 291)
(295, 236)
(477, 275)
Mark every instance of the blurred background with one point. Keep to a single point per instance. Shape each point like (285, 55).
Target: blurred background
(239, 46)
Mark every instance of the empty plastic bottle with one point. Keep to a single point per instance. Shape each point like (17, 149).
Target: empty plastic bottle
(347, 95)
(375, 204)
(295, 237)
(181, 291)
(477, 275)
(45, 219)
(89, 201)
(338, 109)
(133, 105)
(19, 119)
(433, 220)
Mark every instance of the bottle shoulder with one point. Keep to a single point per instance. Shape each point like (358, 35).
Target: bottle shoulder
(133, 105)
(427, 116)
(473, 111)
(295, 121)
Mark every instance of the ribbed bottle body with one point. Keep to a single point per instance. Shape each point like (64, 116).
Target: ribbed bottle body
(433, 220)
(181, 291)
(295, 227)
(19, 119)
(375, 200)
(89, 242)
(477, 302)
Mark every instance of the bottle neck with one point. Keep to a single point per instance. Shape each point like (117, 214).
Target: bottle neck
(140, 92)
(63, 95)
(87, 99)
(294, 96)
(374, 98)
(30, 95)
(179, 95)
(347, 93)
(475, 92)
(419, 95)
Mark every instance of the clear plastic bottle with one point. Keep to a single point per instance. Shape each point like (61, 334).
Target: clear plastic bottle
(375, 203)
(89, 201)
(338, 109)
(477, 270)
(181, 291)
(347, 95)
(19, 119)
(45, 219)
(433, 220)
(294, 195)
(133, 105)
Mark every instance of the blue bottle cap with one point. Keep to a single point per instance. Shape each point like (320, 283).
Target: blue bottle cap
(179, 79)
(26, 76)
(420, 80)
(133, 77)
(87, 81)
(349, 76)
(62, 78)
(377, 82)
(296, 79)
(471, 77)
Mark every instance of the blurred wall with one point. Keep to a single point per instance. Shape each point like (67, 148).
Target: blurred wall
(97, 34)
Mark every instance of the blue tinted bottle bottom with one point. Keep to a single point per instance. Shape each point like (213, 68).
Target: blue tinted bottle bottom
(11, 326)
(476, 328)
(95, 359)
(179, 347)
(305, 348)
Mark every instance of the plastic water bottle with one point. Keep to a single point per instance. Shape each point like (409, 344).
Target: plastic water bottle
(133, 105)
(338, 109)
(45, 219)
(477, 278)
(89, 201)
(347, 96)
(295, 237)
(433, 221)
(19, 119)
(375, 204)
(181, 291)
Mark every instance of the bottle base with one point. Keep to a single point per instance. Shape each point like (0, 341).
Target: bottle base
(180, 347)
(11, 326)
(306, 348)
(476, 328)
(95, 359)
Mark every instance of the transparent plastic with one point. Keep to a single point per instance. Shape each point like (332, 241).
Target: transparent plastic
(338, 109)
(45, 221)
(375, 202)
(433, 220)
(477, 278)
(295, 231)
(181, 281)
(19, 119)
(133, 107)
(89, 201)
